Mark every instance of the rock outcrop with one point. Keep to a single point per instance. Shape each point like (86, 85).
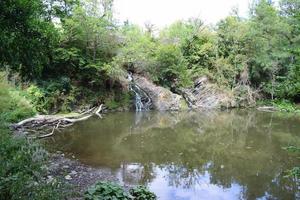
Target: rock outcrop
(162, 98)
(204, 95)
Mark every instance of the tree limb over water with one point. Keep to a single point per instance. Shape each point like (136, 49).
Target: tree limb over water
(43, 124)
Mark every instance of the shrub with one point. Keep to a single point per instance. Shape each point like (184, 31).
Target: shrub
(112, 191)
(21, 170)
(285, 105)
(142, 193)
(53, 95)
(106, 191)
(171, 67)
(21, 161)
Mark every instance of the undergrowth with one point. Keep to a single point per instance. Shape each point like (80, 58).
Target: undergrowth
(22, 161)
(108, 191)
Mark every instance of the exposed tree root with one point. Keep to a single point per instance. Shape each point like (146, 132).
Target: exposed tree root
(46, 123)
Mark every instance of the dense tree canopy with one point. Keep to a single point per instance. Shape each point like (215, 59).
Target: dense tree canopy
(79, 42)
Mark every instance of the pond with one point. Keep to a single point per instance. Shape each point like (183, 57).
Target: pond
(191, 155)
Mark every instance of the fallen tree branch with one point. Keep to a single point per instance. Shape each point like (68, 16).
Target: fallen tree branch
(88, 111)
(21, 123)
(267, 108)
(40, 122)
(76, 120)
(50, 134)
(98, 111)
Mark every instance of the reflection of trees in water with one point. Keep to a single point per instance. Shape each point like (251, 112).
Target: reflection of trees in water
(233, 147)
(135, 174)
(180, 176)
(240, 147)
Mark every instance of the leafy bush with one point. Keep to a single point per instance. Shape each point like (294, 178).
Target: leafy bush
(112, 104)
(285, 105)
(21, 161)
(112, 191)
(37, 97)
(106, 191)
(117, 100)
(21, 170)
(171, 68)
(53, 96)
(142, 193)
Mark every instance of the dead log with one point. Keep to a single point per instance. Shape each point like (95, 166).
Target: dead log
(98, 111)
(40, 122)
(267, 109)
(50, 134)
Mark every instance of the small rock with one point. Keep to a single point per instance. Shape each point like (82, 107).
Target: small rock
(49, 179)
(73, 172)
(68, 177)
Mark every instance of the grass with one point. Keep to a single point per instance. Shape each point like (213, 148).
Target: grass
(22, 162)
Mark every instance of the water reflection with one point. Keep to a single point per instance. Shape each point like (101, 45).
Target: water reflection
(189, 155)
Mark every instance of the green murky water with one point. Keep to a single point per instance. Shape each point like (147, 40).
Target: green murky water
(191, 155)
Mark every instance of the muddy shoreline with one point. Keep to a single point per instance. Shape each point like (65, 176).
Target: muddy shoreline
(77, 176)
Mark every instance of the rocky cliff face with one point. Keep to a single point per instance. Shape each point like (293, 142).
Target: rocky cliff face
(204, 95)
(162, 98)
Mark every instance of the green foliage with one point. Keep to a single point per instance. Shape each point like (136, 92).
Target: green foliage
(180, 31)
(20, 170)
(171, 68)
(269, 38)
(295, 172)
(54, 96)
(289, 86)
(285, 105)
(118, 100)
(90, 32)
(37, 97)
(106, 191)
(112, 104)
(21, 161)
(141, 53)
(27, 38)
(199, 50)
(138, 50)
(281, 104)
(224, 72)
(88, 49)
(292, 149)
(142, 193)
(13, 105)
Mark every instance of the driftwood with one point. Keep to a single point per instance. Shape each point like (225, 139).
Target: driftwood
(48, 135)
(45, 123)
(98, 111)
(267, 109)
